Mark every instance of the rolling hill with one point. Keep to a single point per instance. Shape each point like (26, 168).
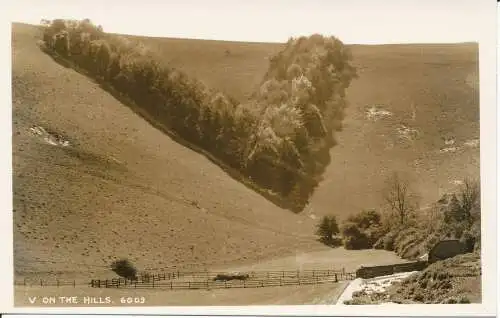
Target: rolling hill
(119, 187)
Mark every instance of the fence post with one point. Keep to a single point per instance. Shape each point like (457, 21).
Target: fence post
(106, 283)
(171, 285)
(74, 283)
(135, 285)
(336, 280)
(41, 282)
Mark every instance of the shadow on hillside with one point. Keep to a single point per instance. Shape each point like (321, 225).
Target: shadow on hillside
(233, 173)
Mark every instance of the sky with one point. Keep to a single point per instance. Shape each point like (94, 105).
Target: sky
(353, 21)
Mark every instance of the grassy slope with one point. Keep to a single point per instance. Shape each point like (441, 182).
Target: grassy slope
(122, 188)
(439, 82)
(90, 190)
(454, 280)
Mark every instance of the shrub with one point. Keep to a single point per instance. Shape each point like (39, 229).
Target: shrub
(362, 230)
(124, 268)
(388, 241)
(418, 297)
(464, 300)
(354, 238)
(450, 300)
(379, 244)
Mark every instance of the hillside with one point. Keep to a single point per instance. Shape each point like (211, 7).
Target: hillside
(429, 92)
(94, 181)
(114, 156)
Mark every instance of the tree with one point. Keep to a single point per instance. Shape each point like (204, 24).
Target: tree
(366, 218)
(124, 268)
(399, 197)
(469, 197)
(327, 229)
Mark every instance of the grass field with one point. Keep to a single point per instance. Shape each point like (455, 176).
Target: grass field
(121, 188)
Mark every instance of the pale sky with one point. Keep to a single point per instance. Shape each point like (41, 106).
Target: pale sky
(353, 21)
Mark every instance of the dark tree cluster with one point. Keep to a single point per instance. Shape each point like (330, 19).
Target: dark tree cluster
(280, 139)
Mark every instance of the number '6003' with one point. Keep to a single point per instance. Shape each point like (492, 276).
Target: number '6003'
(132, 300)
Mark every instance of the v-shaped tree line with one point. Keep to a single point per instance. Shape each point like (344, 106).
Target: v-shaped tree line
(279, 140)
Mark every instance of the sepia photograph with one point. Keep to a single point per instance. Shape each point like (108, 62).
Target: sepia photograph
(276, 153)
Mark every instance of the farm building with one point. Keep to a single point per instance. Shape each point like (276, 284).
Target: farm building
(445, 249)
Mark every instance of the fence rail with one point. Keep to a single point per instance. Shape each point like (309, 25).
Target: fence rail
(255, 280)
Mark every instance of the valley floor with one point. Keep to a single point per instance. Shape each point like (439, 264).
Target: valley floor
(326, 293)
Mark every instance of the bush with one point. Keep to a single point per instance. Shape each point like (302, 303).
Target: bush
(356, 242)
(354, 238)
(379, 244)
(464, 300)
(418, 297)
(450, 300)
(362, 230)
(124, 268)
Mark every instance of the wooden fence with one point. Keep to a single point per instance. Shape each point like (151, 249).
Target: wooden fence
(204, 275)
(47, 283)
(204, 280)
